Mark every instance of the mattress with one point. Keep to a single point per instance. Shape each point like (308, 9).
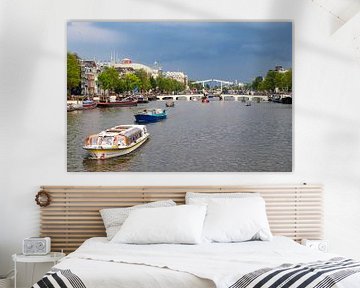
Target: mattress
(99, 263)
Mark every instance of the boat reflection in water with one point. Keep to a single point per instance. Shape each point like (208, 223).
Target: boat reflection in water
(150, 115)
(116, 141)
(170, 103)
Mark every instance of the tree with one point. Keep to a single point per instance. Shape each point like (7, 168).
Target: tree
(168, 85)
(255, 85)
(153, 83)
(288, 80)
(120, 86)
(73, 72)
(273, 80)
(131, 81)
(279, 81)
(197, 86)
(144, 79)
(269, 81)
(108, 79)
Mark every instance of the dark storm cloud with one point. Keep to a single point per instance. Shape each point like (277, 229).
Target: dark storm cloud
(229, 51)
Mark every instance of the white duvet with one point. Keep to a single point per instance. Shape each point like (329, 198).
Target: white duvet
(100, 263)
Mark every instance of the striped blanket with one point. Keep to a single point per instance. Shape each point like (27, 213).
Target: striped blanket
(320, 274)
(59, 278)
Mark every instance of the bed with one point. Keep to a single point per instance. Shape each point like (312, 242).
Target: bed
(294, 211)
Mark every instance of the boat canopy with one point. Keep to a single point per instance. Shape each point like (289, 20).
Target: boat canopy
(151, 111)
(131, 132)
(122, 135)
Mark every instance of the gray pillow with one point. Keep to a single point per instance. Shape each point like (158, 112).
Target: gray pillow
(203, 198)
(113, 218)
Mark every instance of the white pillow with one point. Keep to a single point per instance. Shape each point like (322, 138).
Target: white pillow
(180, 224)
(236, 220)
(113, 218)
(204, 198)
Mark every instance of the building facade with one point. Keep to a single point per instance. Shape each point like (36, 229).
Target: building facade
(127, 66)
(88, 78)
(178, 76)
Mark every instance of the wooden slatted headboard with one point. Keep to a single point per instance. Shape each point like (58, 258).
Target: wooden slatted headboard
(73, 215)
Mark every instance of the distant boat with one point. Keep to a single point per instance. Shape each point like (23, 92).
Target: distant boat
(71, 107)
(116, 141)
(213, 97)
(142, 99)
(84, 105)
(276, 98)
(126, 102)
(170, 103)
(205, 100)
(89, 104)
(286, 100)
(150, 115)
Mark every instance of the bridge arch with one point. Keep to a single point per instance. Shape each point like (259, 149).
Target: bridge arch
(222, 82)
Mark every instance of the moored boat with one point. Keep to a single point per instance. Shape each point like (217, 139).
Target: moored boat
(116, 141)
(70, 107)
(89, 104)
(74, 105)
(126, 102)
(286, 100)
(142, 99)
(213, 97)
(150, 115)
(84, 105)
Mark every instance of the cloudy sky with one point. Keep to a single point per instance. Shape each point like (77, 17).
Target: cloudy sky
(203, 50)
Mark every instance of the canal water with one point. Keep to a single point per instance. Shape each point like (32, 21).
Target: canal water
(220, 136)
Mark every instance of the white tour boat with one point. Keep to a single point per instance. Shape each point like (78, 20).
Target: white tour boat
(116, 141)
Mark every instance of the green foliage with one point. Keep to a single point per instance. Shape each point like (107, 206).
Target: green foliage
(197, 86)
(168, 85)
(131, 81)
(73, 72)
(120, 86)
(273, 80)
(144, 78)
(256, 83)
(288, 80)
(153, 83)
(269, 81)
(108, 79)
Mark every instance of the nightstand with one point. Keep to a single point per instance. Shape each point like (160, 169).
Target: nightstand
(53, 257)
(320, 245)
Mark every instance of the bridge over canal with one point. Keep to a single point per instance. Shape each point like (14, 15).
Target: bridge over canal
(224, 97)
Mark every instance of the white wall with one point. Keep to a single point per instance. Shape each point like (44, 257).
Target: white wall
(32, 88)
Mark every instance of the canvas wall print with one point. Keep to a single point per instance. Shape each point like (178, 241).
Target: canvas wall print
(179, 96)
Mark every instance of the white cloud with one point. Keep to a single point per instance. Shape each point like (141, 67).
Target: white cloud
(87, 32)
